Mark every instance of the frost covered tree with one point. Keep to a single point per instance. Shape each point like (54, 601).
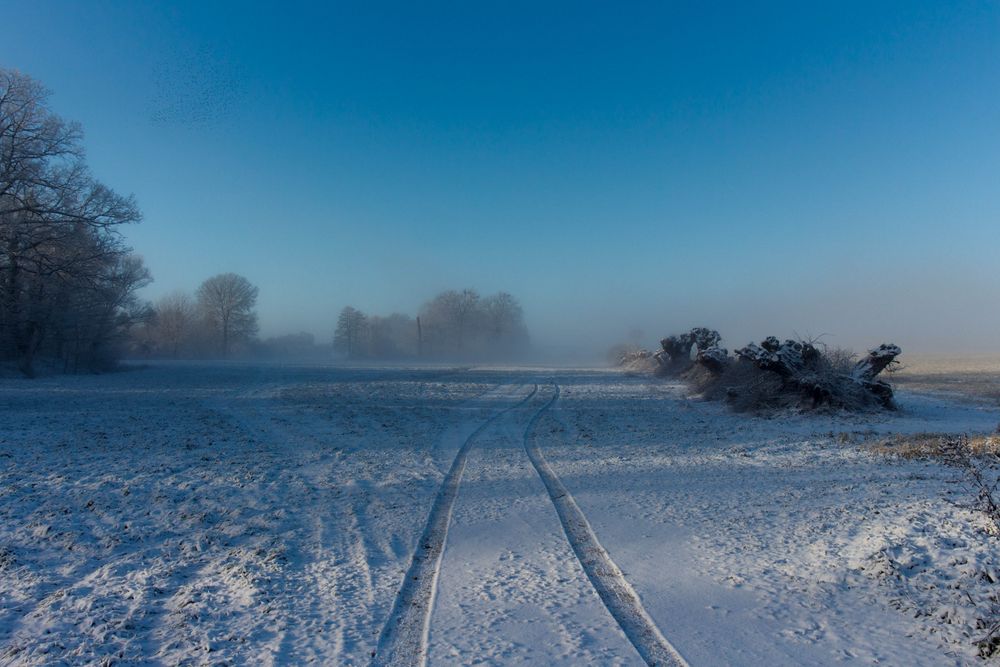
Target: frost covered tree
(176, 318)
(504, 321)
(67, 279)
(463, 324)
(452, 319)
(392, 337)
(455, 324)
(226, 303)
(350, 336)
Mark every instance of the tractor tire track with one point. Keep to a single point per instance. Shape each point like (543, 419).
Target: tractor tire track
(404, 637)
(614, 590)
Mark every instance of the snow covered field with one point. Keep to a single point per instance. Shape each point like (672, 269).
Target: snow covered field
(220, 514)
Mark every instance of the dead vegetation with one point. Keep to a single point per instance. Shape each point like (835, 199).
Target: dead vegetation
(773, 374)
(981, 475)
(633, 360)
(940, 446)
(976, 458)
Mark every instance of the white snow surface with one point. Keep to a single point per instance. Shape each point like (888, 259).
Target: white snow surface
(268, 514)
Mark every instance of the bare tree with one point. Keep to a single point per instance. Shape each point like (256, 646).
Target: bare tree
(391, 337)
(352, 329)
(504, 319)
(463, 324)
(175, 318)
(59, 248)
(452, 318)
(227, 303)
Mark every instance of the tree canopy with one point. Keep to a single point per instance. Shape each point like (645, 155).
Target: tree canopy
(67, 279)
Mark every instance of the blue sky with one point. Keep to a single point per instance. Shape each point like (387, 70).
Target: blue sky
(781, 168)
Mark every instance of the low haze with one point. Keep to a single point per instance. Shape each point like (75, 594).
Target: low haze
(786, 168)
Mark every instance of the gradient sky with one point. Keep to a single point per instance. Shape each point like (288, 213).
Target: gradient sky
(809, 168)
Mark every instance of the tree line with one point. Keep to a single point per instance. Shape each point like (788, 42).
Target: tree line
(68, 281)
(453, 325)
(218, 320)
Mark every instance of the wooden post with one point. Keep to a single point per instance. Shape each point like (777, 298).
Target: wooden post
(420, 339)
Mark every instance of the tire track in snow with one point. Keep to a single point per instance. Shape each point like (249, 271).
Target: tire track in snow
(607, 578)
(404, 637)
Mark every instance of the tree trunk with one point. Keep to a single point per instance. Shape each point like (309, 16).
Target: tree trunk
(27, 345)
(420, 338)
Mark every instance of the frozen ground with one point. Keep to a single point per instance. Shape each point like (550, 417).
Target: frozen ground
(202, 514)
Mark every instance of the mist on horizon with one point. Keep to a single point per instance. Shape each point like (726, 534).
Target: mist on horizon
(799, 171)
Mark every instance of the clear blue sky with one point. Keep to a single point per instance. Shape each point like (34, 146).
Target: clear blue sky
(786, 167)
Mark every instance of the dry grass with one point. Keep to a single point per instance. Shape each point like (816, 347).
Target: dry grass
(933, 445)
(977, 458)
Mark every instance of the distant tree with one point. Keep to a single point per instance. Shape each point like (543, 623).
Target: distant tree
(457, 324)
(504, 320)
(352, 329)
(452, 319)
(392, 337)
(227, 301)
(466, 313)
(175, 320)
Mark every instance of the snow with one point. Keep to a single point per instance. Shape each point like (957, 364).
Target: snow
(229, 513)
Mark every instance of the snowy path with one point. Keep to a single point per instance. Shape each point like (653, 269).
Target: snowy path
(404, 636)
(607, 578)
(510, 589)
(229, 514)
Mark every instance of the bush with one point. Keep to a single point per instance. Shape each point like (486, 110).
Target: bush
(827, 380)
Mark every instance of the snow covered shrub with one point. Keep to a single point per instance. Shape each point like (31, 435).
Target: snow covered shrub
(675, 355)
(744, 386)
(801, 374)
(774, 374)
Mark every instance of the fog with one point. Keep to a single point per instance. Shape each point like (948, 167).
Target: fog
(622, 177)
(584, 329)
